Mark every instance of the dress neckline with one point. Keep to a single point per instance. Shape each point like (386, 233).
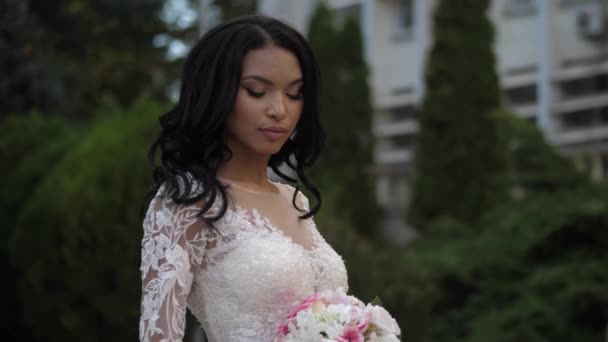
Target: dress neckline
(258, 192)
(308, 225)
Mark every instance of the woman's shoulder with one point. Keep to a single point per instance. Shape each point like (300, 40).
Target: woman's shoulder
(173, 217)
(289, 190)
(186, 196)
(185, 186)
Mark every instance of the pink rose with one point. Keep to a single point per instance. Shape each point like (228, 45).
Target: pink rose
(363, 323)
(350, 334)
(307, 303)
(304, 305)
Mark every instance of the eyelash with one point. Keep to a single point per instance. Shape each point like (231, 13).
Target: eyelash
(258, 95)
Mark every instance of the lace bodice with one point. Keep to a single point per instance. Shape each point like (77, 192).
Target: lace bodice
(239, 283)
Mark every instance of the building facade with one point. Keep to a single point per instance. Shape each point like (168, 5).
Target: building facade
(552, 61)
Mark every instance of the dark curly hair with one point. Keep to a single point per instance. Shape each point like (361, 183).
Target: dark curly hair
(191, 138)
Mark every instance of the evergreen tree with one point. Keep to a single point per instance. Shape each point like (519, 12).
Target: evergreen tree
(346, 114)
(459, 159)
(234, 8)
(27, 80)
(534, 166)
(66, 55)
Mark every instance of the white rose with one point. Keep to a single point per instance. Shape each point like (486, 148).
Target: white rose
(385, 338)
(384, 321)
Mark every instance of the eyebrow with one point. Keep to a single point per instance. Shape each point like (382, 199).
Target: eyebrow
(269, 82)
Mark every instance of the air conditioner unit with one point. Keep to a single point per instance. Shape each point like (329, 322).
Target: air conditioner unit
(591, 20)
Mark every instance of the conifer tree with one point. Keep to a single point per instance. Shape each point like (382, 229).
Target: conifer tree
(234, 8)
(346, 114)
(459, 156)
(65, 56)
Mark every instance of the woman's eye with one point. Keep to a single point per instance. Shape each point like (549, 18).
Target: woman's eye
(254, 93)
(295, 97)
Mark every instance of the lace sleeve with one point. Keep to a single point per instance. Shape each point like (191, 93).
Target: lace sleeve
(173, 244)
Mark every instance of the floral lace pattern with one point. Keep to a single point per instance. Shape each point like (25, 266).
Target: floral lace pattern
(238, 284)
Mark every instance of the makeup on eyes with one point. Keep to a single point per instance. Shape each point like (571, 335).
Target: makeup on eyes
(250, 83)
(297, 96)
(256, 93)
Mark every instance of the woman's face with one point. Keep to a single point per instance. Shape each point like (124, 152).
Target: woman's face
(268, 102)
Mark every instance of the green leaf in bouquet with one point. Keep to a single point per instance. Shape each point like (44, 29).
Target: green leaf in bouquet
(376, 301)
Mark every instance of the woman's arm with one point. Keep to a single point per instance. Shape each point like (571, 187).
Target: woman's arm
(172, 246)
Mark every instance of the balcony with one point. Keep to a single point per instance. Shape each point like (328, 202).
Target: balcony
(393, 156)
(402, 127)
(578, 103)
(593, 68)
(580, 135)
(525, 111)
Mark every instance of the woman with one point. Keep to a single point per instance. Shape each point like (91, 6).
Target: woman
(219, 237)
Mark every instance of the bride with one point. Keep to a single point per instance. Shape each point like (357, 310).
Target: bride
(220, 238)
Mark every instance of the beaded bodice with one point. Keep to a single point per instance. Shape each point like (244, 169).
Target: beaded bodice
(240, 279)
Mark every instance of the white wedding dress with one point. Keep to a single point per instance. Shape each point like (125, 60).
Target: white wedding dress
(241, 283)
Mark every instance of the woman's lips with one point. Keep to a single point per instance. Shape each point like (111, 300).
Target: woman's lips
(273, 134)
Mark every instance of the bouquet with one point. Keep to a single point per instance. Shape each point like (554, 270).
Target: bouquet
(335, 316)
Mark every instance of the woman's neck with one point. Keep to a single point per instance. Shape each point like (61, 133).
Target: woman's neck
(250, 169)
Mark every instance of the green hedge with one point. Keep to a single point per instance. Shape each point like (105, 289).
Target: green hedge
(30, 145)
(77, 241)
(532, 271)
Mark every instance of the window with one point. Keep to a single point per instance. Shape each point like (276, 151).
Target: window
(585, 86)
(579, 119)
(406, 14)
(403, 113)
(519, 8)
(404, 17)
(521, 95)
(402, 141)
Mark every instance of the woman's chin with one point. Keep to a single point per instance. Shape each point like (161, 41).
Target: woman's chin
(269, 150)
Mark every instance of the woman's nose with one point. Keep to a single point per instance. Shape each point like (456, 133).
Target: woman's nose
(276, 107)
